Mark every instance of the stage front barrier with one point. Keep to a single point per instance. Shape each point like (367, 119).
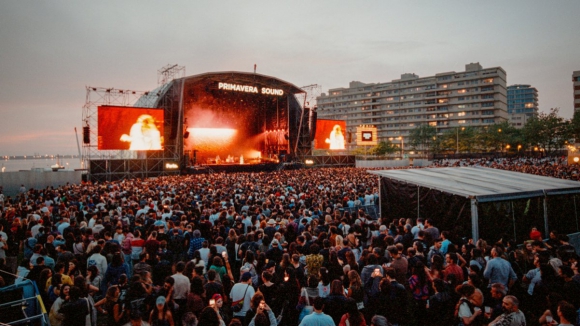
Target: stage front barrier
(371, 210)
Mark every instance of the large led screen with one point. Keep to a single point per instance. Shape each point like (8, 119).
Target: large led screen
(129, 128)
(330, 134)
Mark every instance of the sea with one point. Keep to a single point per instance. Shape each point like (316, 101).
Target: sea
(11, 164)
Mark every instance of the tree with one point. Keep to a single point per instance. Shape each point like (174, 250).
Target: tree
(384, 147)
(422, 137)
(575, 126)
(548, 131)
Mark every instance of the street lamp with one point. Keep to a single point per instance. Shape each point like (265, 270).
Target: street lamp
(500, 142)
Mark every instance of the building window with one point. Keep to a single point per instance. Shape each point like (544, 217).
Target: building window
(461, 91)
(488, 81)
(461, 106)
(529, 105)
(461, 121)
(461, 114)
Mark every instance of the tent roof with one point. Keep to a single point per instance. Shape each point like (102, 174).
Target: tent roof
(484, 184)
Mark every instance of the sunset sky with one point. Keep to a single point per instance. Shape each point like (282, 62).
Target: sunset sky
(51, 50)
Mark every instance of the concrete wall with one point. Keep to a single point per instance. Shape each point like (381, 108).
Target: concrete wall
(391, 163)
(11, 181)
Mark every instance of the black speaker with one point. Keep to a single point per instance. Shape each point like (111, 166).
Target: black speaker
(313, 118)
(87, 135)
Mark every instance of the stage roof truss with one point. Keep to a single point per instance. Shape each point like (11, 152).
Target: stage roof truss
(483, 184)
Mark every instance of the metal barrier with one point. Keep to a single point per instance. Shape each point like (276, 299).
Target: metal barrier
(371, 210)
(29, 307)
(574, 240)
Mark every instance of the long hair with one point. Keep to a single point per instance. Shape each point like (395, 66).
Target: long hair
(354, 316)
(336, 288)
(419, 270)
(324, 278)
(62, 295)
(208, 317)
(354, 280)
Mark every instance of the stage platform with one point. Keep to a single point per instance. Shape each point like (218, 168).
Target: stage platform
(229, 168)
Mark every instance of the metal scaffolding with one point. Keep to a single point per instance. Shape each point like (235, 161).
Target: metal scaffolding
(107, 165)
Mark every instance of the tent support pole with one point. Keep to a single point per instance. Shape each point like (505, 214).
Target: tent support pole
(576, 213)
(418, 202)
(380, 198)
(546, 230)
(514, 221)
(474, 221)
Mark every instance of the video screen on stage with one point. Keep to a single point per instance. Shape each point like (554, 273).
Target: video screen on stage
(130, 128)
(330, 134)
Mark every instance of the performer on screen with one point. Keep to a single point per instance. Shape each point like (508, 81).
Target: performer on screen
(144, 134)
(336, 139)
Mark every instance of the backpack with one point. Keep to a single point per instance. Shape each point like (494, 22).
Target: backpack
(176, 243)
(371, 290)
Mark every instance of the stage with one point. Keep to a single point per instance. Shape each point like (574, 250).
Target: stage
(232, 168)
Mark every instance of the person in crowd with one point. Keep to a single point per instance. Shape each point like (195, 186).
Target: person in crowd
(55, 317)
(241, 294)
(499, 270)
(318, 317)
(512, 315)
(75, 309)
(161, 315)
(336, 302)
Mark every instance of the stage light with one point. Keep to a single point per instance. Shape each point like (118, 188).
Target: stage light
(309, 162)
(576, 159)
(171, 166)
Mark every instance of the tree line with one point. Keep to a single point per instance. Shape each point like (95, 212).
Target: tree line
(546, 132)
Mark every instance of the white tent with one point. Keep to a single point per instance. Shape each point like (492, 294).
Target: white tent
(481, 185)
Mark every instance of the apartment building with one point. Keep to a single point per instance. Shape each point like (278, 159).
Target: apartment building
(576, 81)
(522, 104)
(475, 97)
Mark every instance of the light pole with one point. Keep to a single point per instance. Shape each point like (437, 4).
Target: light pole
(500, 142)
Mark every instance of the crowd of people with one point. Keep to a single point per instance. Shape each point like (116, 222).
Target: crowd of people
(550, 166)
(273, 249)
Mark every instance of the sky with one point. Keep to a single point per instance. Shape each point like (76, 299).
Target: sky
(51, 50)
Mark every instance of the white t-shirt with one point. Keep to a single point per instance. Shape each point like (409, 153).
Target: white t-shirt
(464, 311)
(100, 261)
(237, 293)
